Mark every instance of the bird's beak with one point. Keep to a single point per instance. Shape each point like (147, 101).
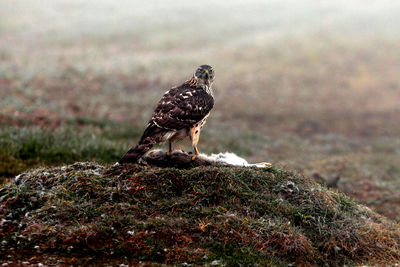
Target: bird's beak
(207, 74)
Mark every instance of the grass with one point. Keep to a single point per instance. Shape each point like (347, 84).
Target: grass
(23, 148)
(229, 216)
(366, 166)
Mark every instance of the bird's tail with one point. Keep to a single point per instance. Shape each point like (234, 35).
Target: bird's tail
(151, 136)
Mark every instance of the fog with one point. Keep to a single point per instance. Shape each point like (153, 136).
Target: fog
(232, 20)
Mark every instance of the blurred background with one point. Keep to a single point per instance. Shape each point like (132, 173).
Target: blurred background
(311, 86)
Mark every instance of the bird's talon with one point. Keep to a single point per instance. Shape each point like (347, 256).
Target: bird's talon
(194, 157)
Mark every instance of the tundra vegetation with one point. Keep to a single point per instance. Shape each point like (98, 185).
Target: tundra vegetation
(88, 214)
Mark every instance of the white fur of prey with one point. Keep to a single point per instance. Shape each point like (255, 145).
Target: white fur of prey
(233, 159)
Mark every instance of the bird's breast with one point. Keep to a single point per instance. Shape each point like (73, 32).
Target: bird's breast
(174, 136)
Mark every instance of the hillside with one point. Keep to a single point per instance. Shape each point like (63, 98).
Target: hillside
(86, 213)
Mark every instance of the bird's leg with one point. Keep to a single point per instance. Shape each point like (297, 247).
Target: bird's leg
(170, 149)
(196, 151)
(194, 136)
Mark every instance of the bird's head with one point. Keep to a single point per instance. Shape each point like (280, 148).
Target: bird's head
(204, 75)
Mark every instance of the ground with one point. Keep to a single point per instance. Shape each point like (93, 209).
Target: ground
(86, 213)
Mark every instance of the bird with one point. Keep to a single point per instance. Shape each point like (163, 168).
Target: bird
(180, 113)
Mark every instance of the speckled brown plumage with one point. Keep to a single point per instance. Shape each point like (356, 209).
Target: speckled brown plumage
(181, 112)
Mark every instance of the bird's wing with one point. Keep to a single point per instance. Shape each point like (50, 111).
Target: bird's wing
(182, 107)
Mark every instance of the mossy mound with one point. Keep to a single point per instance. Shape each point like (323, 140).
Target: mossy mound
(88, 214)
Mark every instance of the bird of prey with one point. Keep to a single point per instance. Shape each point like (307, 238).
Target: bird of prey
(181, 112)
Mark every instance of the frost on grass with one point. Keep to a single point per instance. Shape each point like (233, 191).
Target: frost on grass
(216, 215)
